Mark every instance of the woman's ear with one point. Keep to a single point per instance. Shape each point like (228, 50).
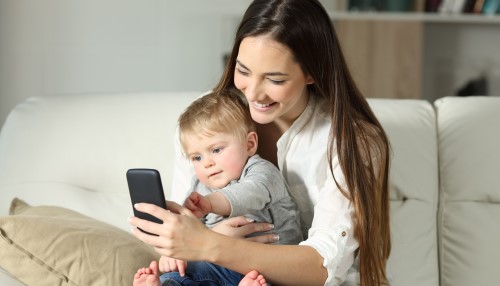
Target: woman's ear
(309, 79)
(252, 143)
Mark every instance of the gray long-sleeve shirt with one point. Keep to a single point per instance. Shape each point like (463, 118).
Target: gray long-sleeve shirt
(261, 194)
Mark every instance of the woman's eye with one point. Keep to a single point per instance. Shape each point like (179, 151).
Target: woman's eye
(196, 158)
(277, 82)
(242, 72)
(217, 150)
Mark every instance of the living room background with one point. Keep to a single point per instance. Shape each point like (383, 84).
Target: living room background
(115, 46)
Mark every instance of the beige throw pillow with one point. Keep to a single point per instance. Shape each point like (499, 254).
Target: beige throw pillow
(47, 245)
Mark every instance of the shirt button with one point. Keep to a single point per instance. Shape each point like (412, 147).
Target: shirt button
(343, 233)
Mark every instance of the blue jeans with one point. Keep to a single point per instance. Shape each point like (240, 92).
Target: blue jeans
(200, 273)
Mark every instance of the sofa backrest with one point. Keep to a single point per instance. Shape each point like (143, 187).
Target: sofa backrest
(411, 128)
(469, 212)
(74, 150)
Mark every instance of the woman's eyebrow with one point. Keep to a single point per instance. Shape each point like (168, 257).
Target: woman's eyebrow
(276, 73)
(242, 65)
(267, 73)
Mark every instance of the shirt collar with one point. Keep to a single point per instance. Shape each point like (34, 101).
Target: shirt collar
(284, 142)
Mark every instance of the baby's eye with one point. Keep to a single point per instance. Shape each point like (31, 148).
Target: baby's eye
(196, 158)
(217, 150)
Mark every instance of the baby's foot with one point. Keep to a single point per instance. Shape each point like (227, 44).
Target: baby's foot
(148, 276)
(253, 278)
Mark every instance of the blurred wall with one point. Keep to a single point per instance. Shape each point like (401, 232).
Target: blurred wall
(102, 46)
(114, 46)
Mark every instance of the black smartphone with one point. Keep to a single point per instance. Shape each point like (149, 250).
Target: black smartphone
(145, 187)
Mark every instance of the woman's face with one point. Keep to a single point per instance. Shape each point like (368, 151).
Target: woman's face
(271, 80)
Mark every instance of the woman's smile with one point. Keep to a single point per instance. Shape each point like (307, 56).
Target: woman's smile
(263, 107)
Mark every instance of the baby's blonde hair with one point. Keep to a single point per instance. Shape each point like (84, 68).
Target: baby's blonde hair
(222, 112)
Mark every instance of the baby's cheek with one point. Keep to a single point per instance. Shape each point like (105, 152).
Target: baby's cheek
(235, 168)
(200, 175)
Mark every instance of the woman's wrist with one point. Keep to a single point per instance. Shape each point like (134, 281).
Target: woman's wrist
(214, 246)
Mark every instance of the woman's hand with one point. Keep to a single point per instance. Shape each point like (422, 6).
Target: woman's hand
(241, 227)
(181, 235)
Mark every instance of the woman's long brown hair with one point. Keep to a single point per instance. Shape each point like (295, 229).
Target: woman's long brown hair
(357, 136)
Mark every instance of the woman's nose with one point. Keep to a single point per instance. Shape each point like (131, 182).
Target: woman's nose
(252, 91)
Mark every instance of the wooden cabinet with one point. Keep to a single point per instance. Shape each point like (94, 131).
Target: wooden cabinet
(385, 57)
(417, 55)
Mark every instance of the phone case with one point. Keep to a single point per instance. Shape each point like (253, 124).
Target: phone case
(145, 187)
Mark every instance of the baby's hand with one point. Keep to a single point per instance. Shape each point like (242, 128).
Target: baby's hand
(198, 204)
(168, 264)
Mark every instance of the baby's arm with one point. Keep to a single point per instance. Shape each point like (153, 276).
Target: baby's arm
(167, 264)
(201, 205)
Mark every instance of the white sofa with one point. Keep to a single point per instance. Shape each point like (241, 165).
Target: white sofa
(73, 151)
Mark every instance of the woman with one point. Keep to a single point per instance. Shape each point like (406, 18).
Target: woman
(315, 125)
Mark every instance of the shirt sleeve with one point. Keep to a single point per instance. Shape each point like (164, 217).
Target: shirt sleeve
(182, 175)
(255, 190)
(332, 232)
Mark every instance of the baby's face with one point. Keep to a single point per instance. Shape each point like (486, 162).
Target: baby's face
(217, 159)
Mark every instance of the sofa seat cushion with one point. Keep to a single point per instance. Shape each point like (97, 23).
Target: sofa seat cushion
(47, 245)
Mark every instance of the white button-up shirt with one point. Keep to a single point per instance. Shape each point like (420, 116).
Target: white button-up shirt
(326, 214)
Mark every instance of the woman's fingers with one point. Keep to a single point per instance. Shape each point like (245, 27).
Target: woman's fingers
(153, 210)
(265, 238)
(148, 226)
(242, 227)
(140, 226)
(173, 209)
(256, 227)
(239, 221)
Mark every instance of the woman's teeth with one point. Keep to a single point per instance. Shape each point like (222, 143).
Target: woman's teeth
(261, 105)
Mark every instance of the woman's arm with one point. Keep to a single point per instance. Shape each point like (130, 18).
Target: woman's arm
(183, 236)
(280, 264)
